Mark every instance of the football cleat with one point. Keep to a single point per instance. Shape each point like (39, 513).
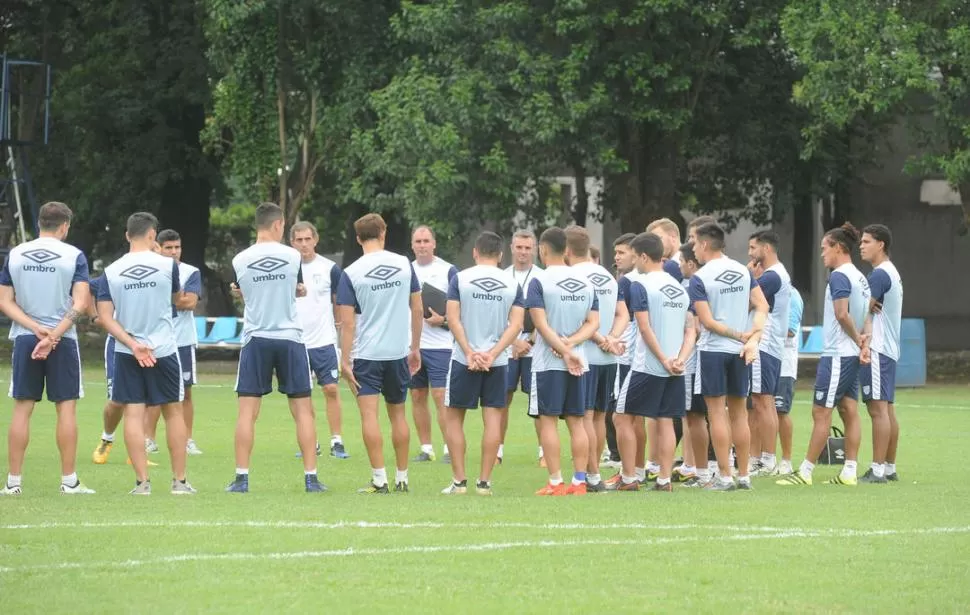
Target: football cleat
(551, 489)
(313, 484)
(143, 488)
(182, 487)
(239, 485)
(401, 487)
(192, 449)
(840, 480)
(373, 489)
(455, 488)
(337, 450)
(795, 478)
(424, 456)
(8, 490)
(572, 489)
(77, 489)
(100, 455)
(483, 488)
(870, 477)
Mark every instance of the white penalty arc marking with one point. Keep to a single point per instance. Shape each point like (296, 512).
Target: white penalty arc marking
(389, 525)
(467, 548)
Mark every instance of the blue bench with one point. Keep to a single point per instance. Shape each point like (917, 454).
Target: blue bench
(810, 342)
(224, 331)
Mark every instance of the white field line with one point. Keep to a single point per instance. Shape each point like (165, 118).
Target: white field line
(380, 525)
(466, 548)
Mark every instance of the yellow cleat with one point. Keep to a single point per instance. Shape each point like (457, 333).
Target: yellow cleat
(151, 464)
(101, 453)
(841, 480)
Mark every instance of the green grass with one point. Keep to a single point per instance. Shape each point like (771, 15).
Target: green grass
(867, 549)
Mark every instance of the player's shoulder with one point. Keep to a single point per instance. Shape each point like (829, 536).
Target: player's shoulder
(441, 263)
(185, 269)
(889, 268)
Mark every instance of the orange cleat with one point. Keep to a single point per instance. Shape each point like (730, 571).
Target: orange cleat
(551, 489)
(579, 489)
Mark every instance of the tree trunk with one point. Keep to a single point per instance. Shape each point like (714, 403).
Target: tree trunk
(581, 207)
(648, 190)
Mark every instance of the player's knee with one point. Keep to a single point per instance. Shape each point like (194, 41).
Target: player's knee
(330, 391)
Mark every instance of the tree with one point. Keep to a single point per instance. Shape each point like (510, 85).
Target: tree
(887, 59)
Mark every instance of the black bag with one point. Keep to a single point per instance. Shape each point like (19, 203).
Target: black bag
(834, 452)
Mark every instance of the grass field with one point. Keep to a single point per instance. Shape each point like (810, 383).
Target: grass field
(904, 547)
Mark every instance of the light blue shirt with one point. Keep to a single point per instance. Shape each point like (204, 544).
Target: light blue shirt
(660, 295)
(845, 282)
(191, 280)
(487, 295)
(141, 285)
(776, 286)
(42, 273)
(567, 298)
(887, 289)
(379, 287)
(725, 284)
(267, 274)
(789, 360)
(607, 292)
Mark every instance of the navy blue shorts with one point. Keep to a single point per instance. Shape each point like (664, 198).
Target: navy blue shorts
(656, 397)
(557, 393)
(837, 377)
(520, 371)
(721, 373)
(388, 378)
(153, 386)
(434, 370)
(260, 357)
(466, 388)
(109, 363)
(600, 384)
(693, 399)
(784, 395)
(187, 359)
(878, 379)
(60, 371)
(324, 363)
(765, 372)
(621, 372)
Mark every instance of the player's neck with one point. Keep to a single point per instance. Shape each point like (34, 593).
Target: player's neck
(424, 261)
(882, 258)
(309, 258)
(140, 245)
(487, 262)
(265, 237)
(371, 245)
(651, 267)
(555, 261)
(576, 260)
(770, 260)
(842, 260)
(623, 271)
(48, 235)
(525, 267)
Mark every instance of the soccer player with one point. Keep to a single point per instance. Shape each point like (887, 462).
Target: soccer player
(786, 383)
(836, 381)
(378, 304)
(436, 343)
(316, 311)
(170, 245)
(601, 377)
(43, 290)
(135, 307)
(655, 386)
(880, 352)
(486, 311)
(523, 270)
(723, 291)
(564, 309)
(269, 277)
(624, 333)
(775, 284)
(594, 255)
(696, 222)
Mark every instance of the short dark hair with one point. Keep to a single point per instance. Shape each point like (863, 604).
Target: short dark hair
(267, 214)
(880, 232)
(303, 225)
(370, 226)
(700, 221)
(624, 239)
(52, 215)
(555, 240)
(168, 235)
(577, 240)
(846, 236)
(713, 233)
(139, 223)
(488, 244)
(594, 253)
(767, 236)
(687, 253)
(648, 243)
(424, 227)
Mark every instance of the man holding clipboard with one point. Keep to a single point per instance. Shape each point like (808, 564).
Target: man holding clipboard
(434, 275)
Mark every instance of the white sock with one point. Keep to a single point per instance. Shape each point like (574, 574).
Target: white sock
(653, 467)
(703, 474)
(890, 468)
(501, 450)
(641, 474)
(312, 472)
(711, 467)
(243, 471)
(107, 437)
(401, 476)
(627, 480)
(444, 450)
(593, 479)
(13, 480)
(663, 481)
(378, 476)
(69, 479)
(806, 468)
(849, 469)
(768, 460)
(744, 479)
(753, 461)
(555, 479)
(727, 479)
(427, 448)
(878, 470)
(540, 452)
(336, 439)
(686, 469)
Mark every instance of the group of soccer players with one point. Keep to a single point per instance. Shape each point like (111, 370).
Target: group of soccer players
(685, 345)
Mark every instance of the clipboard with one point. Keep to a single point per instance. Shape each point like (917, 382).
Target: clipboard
(433, 298)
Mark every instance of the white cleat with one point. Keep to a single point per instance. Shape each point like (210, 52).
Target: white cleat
(8, 490)
(78, 489)
(150, 446)
(192, 449)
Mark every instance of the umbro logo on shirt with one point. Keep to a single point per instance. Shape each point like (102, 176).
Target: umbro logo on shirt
(489, 285)
(600, 280)
(571, 286)
(138, 273)
(674, 295)
(730, 280)
(384, 273)
(41, 256)
(267, 265)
